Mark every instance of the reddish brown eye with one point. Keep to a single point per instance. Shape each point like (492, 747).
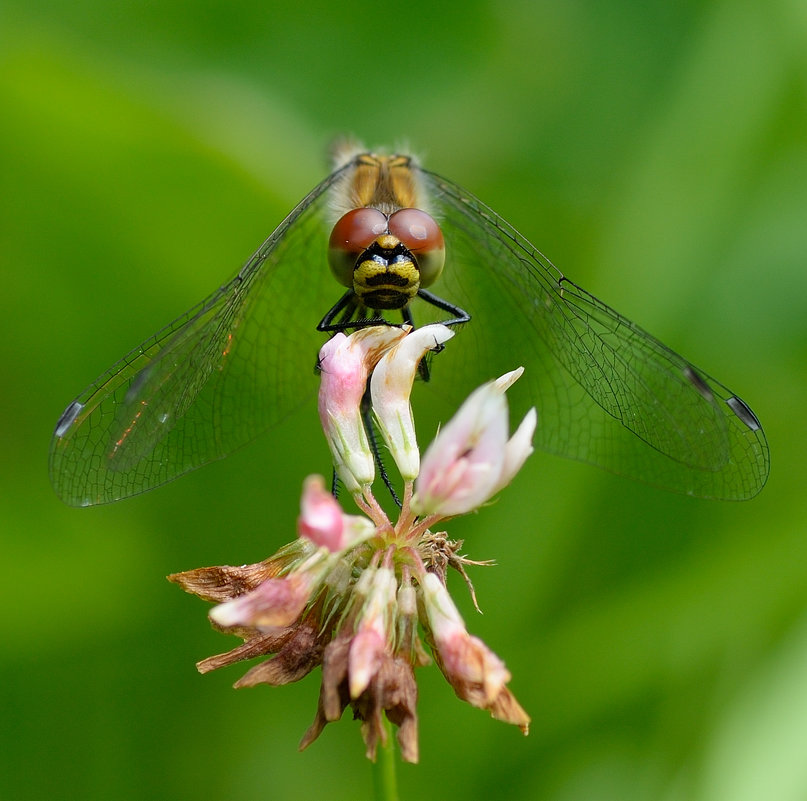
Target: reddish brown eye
(421, 235)
(357, 229)
(416, 229)
(352, 234)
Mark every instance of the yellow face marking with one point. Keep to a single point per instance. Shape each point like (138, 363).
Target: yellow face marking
(380, 286)
(388, 241)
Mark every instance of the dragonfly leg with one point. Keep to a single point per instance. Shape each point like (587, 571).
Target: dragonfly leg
(369, 427)
(460, 315)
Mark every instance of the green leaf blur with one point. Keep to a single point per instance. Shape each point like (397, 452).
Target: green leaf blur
(655, 152)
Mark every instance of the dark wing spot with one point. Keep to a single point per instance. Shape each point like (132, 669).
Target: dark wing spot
(740, 408)
(68, 417)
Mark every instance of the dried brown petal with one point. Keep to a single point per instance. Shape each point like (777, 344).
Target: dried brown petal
(393, 690)
(225, 582)
(315, 729)
(502, 704)
(297, 658)
(258, 645)
(333, 693)
(334, 678)
(506, 708)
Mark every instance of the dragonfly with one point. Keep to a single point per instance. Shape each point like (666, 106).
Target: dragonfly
(407, 245)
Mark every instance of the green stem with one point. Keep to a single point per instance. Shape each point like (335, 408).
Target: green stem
(384, 770)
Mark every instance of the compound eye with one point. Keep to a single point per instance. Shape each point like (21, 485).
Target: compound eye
(351, 236)
(421, 235)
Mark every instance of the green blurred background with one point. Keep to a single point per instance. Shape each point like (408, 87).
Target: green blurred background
(657, 152)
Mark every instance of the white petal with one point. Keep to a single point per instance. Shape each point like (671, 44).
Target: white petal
(518, 448)
(391, 386)
(504, 382)
(444, 617)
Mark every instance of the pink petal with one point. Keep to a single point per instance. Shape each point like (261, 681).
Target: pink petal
(276, 602)
(345, 364)
(320, 516)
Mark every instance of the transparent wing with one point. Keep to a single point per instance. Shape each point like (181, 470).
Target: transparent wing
(210, 382)
(607, 392)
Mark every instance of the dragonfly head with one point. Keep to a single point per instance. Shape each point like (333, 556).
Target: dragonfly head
(386, 259)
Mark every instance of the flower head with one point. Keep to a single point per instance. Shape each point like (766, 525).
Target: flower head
(354, 593)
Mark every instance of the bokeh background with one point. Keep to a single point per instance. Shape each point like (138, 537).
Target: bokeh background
(657, 152)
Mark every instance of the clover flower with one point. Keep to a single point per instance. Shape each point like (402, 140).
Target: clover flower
(357, 595)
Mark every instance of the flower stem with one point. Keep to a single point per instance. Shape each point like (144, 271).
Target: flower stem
(384, 770)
